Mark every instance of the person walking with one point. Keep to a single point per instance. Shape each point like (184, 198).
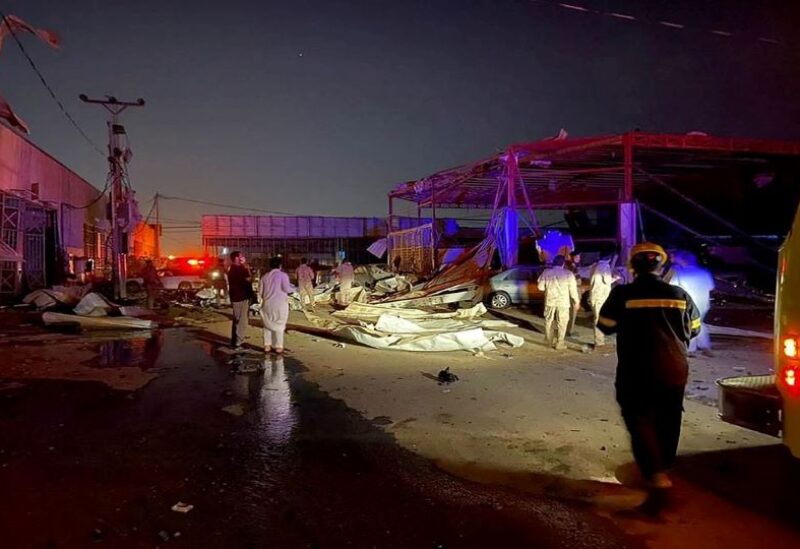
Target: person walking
(560, 295)
(600, 287)
(274, 290)
(240, 292)
(152, 283)
(573, 265)
(344, 273)
(305, 283)
(698, 282)
(654, 322)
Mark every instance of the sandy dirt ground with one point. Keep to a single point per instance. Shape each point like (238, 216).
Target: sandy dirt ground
(545, 421)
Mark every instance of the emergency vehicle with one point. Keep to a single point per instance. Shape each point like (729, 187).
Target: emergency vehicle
(771, 403)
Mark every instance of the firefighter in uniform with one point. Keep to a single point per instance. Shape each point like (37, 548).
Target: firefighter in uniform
(654, 323)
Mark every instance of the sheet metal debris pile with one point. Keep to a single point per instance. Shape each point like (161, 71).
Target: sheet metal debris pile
(390, 312)
(391, 328)
(90, 310)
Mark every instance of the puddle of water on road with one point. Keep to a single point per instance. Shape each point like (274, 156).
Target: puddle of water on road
(264, 383)
(141, 352)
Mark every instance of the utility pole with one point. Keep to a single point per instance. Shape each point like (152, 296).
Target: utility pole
(158, 228)
(118, 156)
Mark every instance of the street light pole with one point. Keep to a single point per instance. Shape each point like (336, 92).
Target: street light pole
(119, 195)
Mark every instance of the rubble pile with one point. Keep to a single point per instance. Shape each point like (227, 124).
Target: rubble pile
(77, 306)
(382, 326)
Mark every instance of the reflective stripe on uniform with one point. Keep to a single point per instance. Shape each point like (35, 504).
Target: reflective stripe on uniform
(696, 324)
(606, 322)
(656, 304)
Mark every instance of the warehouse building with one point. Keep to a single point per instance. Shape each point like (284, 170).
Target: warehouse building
(51, 219)
(322, 240)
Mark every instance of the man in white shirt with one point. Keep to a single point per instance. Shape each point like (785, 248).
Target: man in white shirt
(344, 273)
(602, 280)
(305, 283)
(560, 295)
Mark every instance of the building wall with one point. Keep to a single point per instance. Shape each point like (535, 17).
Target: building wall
(144, 241)
(25, 167)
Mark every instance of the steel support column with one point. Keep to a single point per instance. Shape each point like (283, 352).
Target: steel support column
(510, 250)
(627, 214)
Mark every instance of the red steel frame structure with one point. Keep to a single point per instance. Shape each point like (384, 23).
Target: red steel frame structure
(584, 173)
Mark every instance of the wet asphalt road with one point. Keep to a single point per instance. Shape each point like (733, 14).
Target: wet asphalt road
(266, 459)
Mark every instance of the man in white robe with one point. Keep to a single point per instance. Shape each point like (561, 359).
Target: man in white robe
(274, 290)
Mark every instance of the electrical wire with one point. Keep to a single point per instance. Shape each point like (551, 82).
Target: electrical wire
(96, 200)
(47, 86)
(228, 206)
(577, 7)
(153, 207)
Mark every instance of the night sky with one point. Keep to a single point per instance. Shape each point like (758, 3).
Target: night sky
(320, 107)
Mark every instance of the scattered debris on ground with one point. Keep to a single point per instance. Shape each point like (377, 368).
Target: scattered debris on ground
(181, 507)
(445, 376)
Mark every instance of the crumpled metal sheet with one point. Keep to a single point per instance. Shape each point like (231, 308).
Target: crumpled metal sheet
(469, 339)
(426, 332)
(371, 312)
(396, 325)
(94, 304)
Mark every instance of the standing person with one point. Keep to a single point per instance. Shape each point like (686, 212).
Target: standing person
(240, 291)
(572, 265)
(152, 283)
(654, 323)
(344, 272)
(274, 291)
(305, 282)
(560, 295)
(574, 262)
(600, 288)
(218, 281)
(698, 283)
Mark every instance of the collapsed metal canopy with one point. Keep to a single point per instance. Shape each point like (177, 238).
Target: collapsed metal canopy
(557, 173)
(740, 187)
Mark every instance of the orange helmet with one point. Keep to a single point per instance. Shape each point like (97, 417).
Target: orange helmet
(648, 253)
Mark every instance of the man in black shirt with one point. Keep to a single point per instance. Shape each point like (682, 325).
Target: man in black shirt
(654, 323)
(240, 291)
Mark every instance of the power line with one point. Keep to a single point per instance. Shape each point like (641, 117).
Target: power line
(47, 86)
(97, 199)
(174, 220)
(578, 7)
(218, 205)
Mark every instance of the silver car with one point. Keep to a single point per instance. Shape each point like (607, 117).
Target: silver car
(517, 285)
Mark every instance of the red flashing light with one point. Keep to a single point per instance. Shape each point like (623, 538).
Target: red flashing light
(790, 347)
(192, 262)
(790, 377)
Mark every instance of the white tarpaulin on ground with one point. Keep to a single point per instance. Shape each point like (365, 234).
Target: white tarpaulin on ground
(94, 304)
(371, 312)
